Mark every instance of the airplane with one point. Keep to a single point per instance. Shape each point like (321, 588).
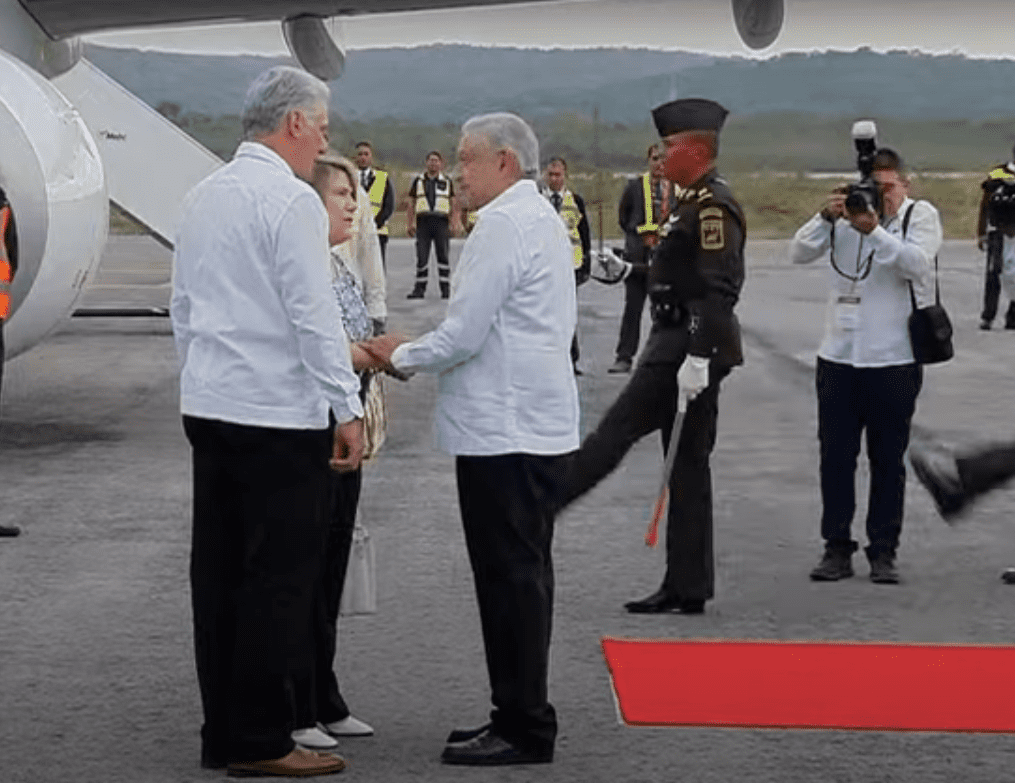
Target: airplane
(72, 139)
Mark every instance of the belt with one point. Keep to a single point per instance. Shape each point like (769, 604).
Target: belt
(666, 309)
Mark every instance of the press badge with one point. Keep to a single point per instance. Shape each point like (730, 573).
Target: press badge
(847, 312)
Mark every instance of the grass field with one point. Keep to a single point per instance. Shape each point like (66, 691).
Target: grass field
(775, 204)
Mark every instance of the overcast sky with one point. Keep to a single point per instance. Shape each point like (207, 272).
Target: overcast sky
(981, 28)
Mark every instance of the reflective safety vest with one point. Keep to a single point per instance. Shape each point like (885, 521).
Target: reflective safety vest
(377, 197)
(5, 265)
(571, 216)
(442, 203)
(1007, 171)
(649, 226)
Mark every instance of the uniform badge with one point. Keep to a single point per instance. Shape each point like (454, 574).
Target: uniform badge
(712, 234)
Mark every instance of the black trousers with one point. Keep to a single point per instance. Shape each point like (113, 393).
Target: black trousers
(508, 527)
(435, 230)
(991, 299)
(986, 468)
(880, 401)
(383, 240)
(318, 698)
(646, 404)
(635, 293)
(258, 534)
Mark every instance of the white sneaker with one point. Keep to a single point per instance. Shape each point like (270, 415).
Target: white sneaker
(313, 739)
(349, 727)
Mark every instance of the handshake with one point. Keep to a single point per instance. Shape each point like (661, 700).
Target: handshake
(375, 354)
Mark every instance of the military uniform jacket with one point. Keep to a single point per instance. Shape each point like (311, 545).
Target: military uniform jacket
(700, 263)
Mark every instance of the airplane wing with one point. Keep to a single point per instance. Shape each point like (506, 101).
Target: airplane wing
(65, 18)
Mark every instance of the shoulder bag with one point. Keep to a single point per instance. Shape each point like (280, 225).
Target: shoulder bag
(930, 328)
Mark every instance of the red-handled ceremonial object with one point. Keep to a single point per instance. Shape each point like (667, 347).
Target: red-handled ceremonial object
(652, 534)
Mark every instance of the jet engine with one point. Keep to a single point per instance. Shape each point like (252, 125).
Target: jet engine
(53, 176)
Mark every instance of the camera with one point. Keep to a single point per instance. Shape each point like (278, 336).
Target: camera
(1000, 202)
(865, 194)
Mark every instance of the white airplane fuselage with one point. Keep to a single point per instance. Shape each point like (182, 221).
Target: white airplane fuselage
(53, 175)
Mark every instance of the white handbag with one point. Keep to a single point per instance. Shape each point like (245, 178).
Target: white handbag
(359, 595)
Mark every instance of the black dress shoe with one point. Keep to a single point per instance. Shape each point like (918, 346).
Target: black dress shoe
(464, 735)
(9, 531)
(663, 601)
(491, 750)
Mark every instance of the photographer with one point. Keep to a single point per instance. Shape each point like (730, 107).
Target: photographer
(995, 227)
(866, 378)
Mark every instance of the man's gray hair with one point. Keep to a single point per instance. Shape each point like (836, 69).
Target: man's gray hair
(275, 93)
(506, 131)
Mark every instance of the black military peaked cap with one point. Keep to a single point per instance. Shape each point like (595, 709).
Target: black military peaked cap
(688, 114)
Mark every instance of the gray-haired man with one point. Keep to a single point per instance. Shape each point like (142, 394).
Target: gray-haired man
(507, 408)
(263, 359)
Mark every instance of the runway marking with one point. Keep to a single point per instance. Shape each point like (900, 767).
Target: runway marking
(813, 685)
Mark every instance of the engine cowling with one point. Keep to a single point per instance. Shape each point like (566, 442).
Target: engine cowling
(53, 176)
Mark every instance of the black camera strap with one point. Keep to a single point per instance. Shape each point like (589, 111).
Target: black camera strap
(862, 269)
(937, 289)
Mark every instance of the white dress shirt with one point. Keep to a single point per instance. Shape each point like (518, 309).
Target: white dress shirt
(1008, 267)
(503, 350)
(878, 333)
(362, 255)
(257, 327)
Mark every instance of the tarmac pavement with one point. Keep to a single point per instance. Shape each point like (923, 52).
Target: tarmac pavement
(97, 681)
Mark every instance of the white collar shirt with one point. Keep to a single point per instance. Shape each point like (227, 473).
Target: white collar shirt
(257, 327)
(884, 264)
(506, 384)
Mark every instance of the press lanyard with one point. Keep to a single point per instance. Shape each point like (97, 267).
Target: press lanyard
(863, 269)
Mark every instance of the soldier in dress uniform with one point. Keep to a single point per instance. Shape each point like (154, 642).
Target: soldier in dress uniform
(694, 283)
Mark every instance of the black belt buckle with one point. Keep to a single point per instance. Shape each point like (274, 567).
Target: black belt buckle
(665, 308)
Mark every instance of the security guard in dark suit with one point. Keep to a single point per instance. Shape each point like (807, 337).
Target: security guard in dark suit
(694, 283)
(645, 204)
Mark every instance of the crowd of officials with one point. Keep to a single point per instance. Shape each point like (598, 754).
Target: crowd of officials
(279, 317)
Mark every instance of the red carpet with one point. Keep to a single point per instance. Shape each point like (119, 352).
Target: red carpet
(896, 687)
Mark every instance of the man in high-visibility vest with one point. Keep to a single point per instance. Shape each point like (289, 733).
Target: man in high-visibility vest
(644, 206)
(571, 208)
(8, 266)
(432, 217)
(992, 283)
(377, 184)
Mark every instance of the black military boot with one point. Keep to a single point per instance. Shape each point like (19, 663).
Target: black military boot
(445, 290)
(418, 292)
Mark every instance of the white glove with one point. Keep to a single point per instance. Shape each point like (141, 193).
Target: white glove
(607, 267)
(692, 377)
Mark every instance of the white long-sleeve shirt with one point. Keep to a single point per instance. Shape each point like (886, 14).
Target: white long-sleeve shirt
(503, 350)
(1008, 267)
(257, 327)
(362, 255)
(886, 263)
